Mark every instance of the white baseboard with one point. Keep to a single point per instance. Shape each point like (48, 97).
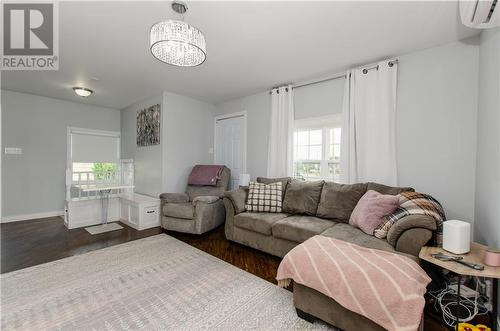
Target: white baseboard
(25, 217)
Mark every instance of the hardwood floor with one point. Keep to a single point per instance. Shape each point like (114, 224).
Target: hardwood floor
(251, 260)
(28, 243)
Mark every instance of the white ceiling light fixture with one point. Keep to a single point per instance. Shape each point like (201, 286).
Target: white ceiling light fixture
(82, 91)
(176, 42)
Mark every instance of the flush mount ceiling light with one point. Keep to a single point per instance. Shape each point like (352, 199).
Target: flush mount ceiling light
(82, 91)
(176, 42)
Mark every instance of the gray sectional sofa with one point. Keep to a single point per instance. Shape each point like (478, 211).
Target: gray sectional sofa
(320, 208)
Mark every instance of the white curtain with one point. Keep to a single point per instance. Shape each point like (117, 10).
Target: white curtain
(280, 149)
(368, 146)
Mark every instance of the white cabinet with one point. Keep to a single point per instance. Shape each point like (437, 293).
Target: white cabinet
(140, 211)
(81, 213)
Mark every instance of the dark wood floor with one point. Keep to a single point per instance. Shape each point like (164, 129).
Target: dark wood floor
(28, 243)
(215, 243)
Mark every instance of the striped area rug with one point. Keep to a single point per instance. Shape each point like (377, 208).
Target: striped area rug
(157, 283)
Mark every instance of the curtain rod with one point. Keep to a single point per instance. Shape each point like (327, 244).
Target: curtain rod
(344, 75)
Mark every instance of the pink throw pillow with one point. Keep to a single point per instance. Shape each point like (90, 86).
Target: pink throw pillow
(371, 209)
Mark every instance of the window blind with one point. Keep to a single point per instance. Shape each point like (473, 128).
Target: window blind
(94, 148)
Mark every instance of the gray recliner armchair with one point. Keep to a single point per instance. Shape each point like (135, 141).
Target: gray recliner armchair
(198, 210)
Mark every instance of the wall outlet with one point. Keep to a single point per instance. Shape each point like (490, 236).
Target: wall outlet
(13, 150)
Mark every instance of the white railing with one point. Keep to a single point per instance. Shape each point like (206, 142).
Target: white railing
(101, 178)
(92, 177)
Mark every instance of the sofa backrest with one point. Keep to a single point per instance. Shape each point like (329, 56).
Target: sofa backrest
(326, 199)
(302, 197)
(338, 200)
(284, 182)
(384, 189)
(218, 190)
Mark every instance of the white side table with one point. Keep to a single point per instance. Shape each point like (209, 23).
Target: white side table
(140, 211)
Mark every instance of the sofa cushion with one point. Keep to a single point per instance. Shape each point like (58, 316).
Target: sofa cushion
(354, 235)
(179, 210)
(284, 182)
(384, 189)
(258, 222)
(299, 228)
(175, 197)
(338, 200)
(302, 197)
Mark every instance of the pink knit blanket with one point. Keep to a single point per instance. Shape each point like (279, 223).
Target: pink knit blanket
(385, 287)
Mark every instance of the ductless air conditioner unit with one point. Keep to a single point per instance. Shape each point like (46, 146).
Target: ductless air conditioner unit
(480, 14)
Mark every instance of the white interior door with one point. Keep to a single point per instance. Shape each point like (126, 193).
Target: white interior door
(230, 145)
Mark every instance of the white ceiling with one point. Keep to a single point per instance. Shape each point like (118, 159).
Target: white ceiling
(251, 46)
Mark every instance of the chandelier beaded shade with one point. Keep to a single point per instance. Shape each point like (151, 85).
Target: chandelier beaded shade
(178, 43)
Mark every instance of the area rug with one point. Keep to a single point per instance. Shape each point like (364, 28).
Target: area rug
(156, 283)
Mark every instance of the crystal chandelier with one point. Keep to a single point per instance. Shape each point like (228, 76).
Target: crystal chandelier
(176, 42)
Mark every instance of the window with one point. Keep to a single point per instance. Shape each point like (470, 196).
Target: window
(92, 155)
(85, 172)
(316, 149)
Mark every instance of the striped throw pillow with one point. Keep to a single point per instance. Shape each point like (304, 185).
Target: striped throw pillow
(264, 198)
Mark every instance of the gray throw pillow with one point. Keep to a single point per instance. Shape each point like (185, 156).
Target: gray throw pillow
(302, 197)
(384, 189)
(338, 200)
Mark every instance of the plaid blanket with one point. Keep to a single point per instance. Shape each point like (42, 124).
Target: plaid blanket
(415, 203)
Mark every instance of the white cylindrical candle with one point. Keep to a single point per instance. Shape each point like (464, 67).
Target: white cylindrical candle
(244, 179)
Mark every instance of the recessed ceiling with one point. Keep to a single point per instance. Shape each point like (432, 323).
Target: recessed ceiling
(251, 46)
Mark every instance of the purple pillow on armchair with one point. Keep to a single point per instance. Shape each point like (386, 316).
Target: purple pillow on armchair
(371, 209)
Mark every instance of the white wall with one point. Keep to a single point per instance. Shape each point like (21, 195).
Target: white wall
(34, 182)
(436, 122)
(487, 224)
(187, 136)
(258, 108)
(318, 100)
(147, 159)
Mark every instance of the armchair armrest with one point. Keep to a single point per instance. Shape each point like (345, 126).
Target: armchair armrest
(208, 199)
(238, 199)
(174, 197)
